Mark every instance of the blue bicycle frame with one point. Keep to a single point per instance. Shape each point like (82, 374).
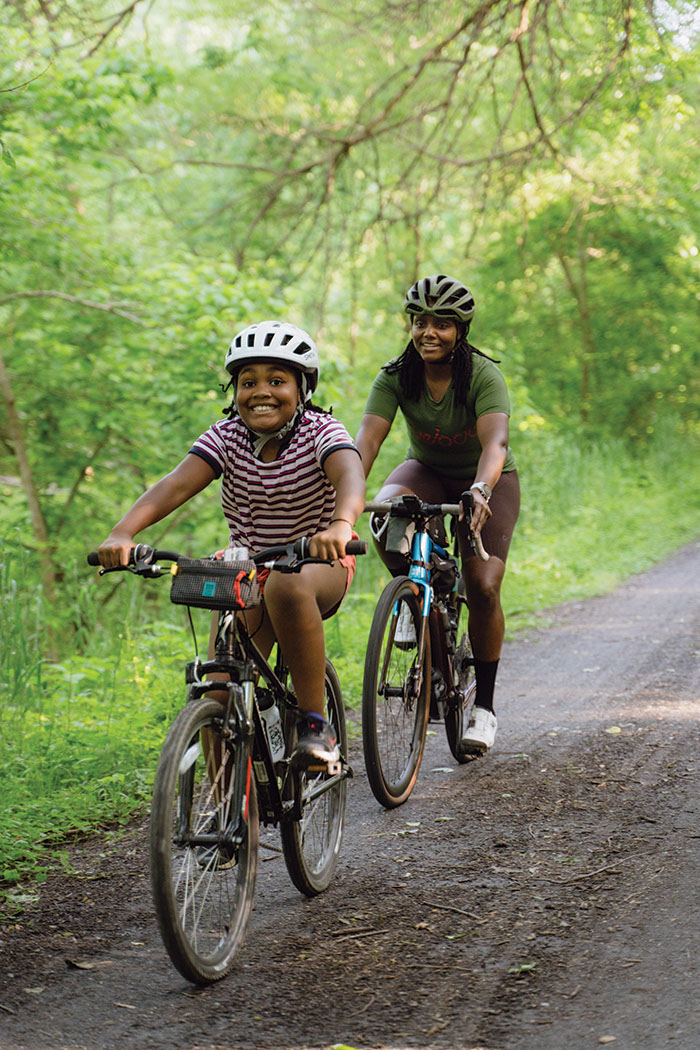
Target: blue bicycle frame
(422, 547)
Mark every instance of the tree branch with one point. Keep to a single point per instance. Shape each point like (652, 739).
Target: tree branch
(111, 308)
(126, 13)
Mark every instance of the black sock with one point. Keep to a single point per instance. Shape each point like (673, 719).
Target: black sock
(485, 671)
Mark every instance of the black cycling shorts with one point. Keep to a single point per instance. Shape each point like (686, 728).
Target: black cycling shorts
(433, 487)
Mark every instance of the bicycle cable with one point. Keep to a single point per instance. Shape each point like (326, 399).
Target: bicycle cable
(194, 636)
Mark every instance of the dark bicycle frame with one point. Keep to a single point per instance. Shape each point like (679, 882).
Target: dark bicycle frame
(237, 655)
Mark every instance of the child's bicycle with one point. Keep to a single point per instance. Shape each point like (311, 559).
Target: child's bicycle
(225, 767)
(418, 664)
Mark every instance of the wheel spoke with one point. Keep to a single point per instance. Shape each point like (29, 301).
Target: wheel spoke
(311, 844)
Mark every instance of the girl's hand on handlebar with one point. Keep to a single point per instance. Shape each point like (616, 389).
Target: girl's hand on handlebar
(330, 544)
(115, 550)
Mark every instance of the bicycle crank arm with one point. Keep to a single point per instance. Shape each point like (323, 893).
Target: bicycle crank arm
(294, 808)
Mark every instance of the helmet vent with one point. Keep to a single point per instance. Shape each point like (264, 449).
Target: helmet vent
(274, 341)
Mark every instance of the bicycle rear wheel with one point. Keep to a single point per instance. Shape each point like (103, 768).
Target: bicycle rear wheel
(395, 695)
(459, 706)
(311, 845)
(202, 893)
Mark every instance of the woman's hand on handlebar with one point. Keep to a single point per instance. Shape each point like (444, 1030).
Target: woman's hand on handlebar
(481, 512)
(116, 549)
(330, 544)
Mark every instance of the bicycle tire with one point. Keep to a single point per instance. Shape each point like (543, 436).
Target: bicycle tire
(203, 896)
(311, 845)
(394, 722)
(459, 706)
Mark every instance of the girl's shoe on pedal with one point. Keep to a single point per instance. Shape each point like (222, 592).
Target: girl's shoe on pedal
(317, 744)
(481, 731)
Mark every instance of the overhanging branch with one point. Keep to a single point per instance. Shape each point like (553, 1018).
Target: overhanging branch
(110, 308)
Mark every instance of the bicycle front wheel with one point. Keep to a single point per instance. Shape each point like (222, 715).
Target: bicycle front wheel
(395, 694)
(311, 845)
(202, 892)
(459, 706)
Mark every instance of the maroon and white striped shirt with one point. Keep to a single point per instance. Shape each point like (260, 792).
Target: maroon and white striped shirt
(270, 503)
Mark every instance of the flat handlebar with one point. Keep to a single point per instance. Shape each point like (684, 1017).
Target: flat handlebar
(291, 555)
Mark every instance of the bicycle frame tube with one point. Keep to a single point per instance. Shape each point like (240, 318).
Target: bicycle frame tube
(421, 549)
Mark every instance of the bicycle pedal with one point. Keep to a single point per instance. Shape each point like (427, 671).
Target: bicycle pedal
(332, 768)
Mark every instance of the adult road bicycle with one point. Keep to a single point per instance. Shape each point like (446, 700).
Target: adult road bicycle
(418, 665)
(225, 768)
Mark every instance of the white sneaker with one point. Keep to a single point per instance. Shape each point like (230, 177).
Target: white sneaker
(481, 731)
(405, 636)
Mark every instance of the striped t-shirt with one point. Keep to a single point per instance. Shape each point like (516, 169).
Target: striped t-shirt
(270, 503)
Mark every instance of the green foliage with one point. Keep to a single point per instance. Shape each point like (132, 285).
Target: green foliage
(79, 740)
(591, 516)
(174, 171)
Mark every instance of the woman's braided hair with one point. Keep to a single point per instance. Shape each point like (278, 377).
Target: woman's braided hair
(411, 368)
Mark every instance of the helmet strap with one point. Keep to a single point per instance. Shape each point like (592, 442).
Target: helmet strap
(262, 439)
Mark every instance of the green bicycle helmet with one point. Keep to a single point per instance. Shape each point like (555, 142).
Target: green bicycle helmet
(441, 296)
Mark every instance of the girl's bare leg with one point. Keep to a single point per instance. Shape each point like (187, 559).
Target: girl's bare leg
(295, 605)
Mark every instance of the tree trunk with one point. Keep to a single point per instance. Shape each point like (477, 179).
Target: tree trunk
(30, 491)
(579, 291)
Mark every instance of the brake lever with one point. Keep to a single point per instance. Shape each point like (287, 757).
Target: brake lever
(140, 566)
(116, 568)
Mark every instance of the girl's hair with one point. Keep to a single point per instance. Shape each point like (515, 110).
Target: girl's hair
(411, 368)
(231, 411)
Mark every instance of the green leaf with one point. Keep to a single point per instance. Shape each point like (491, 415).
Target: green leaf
(7, 156)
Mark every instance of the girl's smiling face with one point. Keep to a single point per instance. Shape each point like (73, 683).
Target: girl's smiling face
(267, 395)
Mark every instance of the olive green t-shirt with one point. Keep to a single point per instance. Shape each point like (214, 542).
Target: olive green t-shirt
(442, 434)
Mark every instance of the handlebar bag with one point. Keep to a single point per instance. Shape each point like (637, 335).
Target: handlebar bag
(210, 584)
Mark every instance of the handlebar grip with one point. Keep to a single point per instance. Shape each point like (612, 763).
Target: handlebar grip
(93, 558)
(301, 547)
(481, 554)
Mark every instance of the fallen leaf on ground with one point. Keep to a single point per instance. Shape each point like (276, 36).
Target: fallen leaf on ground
(78, 964)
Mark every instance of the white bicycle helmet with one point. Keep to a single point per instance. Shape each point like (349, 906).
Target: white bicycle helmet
(441, 296)
(277, 341)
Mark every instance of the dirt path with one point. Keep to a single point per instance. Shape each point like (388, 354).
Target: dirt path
(543, 898)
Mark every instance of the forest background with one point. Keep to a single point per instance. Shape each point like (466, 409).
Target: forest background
(172, 172)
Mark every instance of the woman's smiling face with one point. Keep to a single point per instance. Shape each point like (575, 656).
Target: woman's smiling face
(267, 395)
(434, 337)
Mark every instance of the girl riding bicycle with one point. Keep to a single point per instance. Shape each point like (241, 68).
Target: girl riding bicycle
(288, 469)
(456, 406)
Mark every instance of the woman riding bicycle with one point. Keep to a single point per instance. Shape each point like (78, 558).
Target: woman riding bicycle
(456, 407)
(288, 469)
